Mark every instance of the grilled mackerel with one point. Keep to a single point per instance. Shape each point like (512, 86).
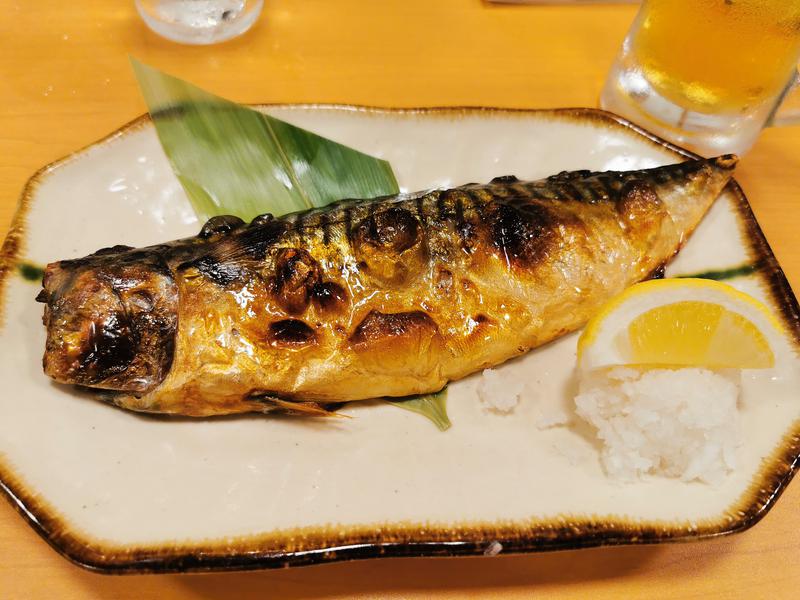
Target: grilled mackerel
(362, 299)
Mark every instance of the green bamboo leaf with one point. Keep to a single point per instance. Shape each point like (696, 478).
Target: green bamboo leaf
(231, 159)
(432, 406)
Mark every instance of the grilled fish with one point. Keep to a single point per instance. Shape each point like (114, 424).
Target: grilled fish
(361, 299)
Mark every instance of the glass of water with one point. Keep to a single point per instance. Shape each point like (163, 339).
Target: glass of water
(199, 21)
(708, 74)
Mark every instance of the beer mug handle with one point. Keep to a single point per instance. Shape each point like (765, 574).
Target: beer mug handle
(787, 108)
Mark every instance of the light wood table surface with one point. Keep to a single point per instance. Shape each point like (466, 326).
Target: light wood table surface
(65, 81)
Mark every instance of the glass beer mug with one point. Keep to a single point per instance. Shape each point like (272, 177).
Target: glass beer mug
(708, 74)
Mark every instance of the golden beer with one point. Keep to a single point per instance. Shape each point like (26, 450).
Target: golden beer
(708, 74)
(715, 56)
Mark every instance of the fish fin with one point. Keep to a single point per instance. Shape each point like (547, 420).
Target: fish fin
(271, 404)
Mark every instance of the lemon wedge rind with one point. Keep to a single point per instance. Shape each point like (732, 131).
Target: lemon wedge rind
(751, 336)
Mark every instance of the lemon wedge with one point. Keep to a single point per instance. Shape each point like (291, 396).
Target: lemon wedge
(684, 323)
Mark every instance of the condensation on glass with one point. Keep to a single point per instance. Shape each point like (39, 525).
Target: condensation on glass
(707, 74)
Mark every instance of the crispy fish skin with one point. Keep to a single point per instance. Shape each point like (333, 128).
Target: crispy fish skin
(388, 297)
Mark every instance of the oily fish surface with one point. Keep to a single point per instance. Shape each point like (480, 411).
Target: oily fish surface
(398, 295)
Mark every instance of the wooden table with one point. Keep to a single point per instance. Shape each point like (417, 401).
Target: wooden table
(66, 82)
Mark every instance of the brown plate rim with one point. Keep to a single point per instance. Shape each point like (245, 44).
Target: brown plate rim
(315, 545)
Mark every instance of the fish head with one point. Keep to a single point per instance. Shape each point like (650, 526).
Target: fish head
(111, 320)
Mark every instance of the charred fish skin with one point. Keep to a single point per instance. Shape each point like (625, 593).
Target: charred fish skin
(361, 299)
(111, 319)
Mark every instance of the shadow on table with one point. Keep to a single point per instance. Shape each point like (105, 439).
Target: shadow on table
(406, 576)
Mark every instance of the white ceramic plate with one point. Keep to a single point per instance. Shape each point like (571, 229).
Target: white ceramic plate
(116, 491)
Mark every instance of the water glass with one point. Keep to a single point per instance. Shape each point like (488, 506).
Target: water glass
(199, 21)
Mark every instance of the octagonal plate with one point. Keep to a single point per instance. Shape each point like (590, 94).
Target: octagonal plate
(116, 491)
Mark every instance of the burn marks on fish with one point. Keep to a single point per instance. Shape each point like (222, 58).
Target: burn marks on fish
(119, 255)
(419, 210)
(329, 296)
(227, 260)
(458, 213)
(441, 204)
(217, 271)
(389, 245)
(405, 344)
(466, 217)
(521, 233)
(661, 176)
(347, 221)
(378, 327)
(325, 224)
(481, 319)
(291, 333)
(296, 276)
(455, 211)
(478, 326)
(110, 347)
(254, 242)
(393, 231)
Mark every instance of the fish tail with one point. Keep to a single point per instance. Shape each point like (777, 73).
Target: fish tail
(689, 189)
